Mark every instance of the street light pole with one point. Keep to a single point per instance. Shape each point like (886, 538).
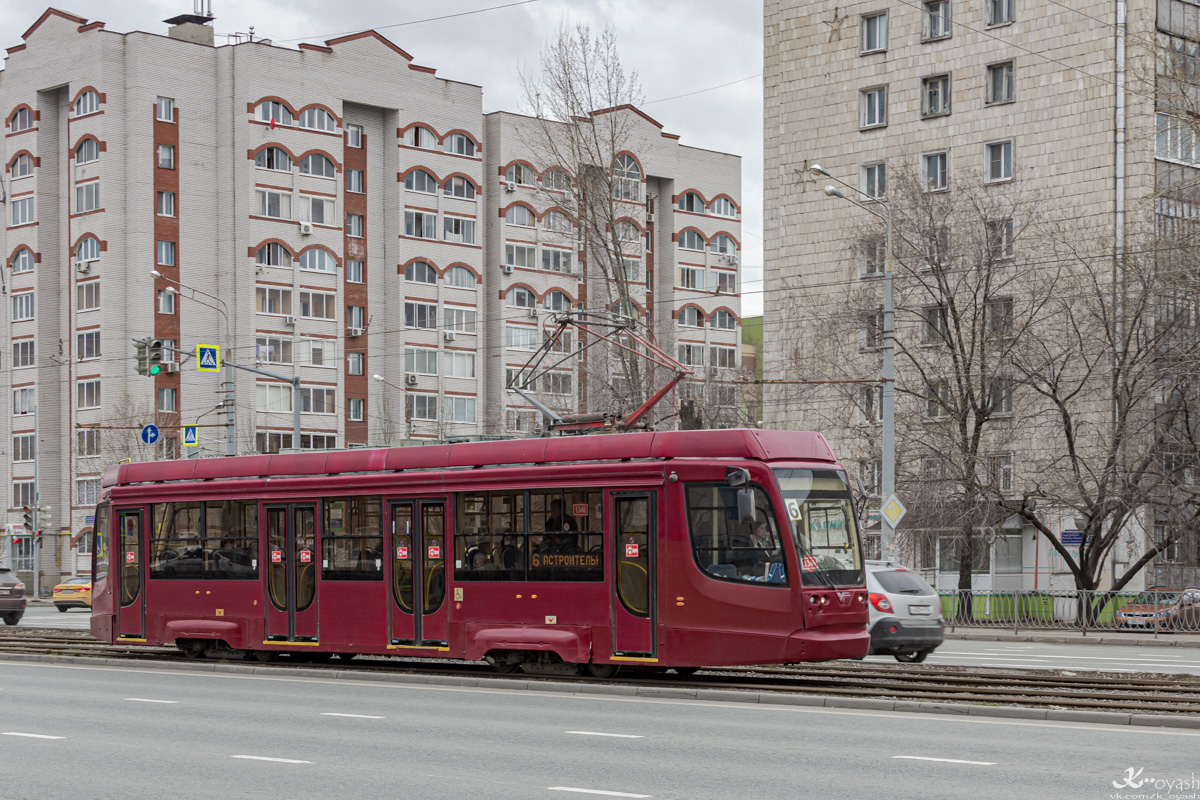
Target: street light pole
(407, 409)
(887, 404)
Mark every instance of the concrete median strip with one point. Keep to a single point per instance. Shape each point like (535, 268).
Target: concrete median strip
(1191, 721)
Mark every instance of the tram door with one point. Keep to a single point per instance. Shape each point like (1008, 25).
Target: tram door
(417, 542)
(292, 559)
(633, 602)
(132, 581)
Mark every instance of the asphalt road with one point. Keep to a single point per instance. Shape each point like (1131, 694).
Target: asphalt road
(130, 733)
(40, 616)
(1082, 657)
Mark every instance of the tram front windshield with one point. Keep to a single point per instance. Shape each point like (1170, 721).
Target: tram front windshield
(821, 517)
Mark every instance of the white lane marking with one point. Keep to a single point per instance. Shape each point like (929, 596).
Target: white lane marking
(593, 791)
(352, 716)
(279, 760)
(614, 735)
(147, 700)
(949, 760)
(1163, 656)
(31, 735)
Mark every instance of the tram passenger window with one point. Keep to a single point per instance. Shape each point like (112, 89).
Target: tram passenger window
(506, 512)
(352, 544)
(177, 542)
(472, 513)
(100, 546)
(566, 557)
(732, 550)
(231, 527)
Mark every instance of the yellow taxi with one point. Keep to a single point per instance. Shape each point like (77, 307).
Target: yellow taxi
(73, 593)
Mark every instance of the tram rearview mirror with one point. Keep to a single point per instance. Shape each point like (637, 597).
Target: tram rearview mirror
(745, 501)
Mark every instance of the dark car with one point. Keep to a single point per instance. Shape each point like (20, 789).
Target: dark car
(12, 597)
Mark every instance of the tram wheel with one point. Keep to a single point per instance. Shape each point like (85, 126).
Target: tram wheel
(346, 656)
(503, 667)
(915, 657)
(191, 648)
(603, 671)
(266, 656)
(685, 672)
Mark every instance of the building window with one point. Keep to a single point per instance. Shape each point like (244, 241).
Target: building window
(998, 158)
(22, 306)
(24, 447)
(691, 278)
(87, 197)
(722, 243)
(318, 401)
(87, 152)
(164, 204)
(87, 103)
(1001, 391)
(318, 305)
(356, 364)
(459, 409)
(273, 111)
(420, 181)
(166, 399)
(937, 20)
(23, 353)
(870, 404)
(354, 225)
(1000, 317)
(1000, 471)
(1000, 83)
(273, 254)
(936, 325)
(460, 277)
(556, 383)
(87, 250)
(555, 260)
(626, 178)
(937, 399)
(22, 262)
(354, 271)
(420, 224)
(723, 207)
(874, 180)
(722, 357)
(557, 301)
(273, 350)
(88, 394)
(691, 355)
(420, 361)
(872, 331)
(873, 107)
(420, 315)
(87, 345)
(165, 253)
(519, 215)
(556, 180)
(166, 301)
(420, 272)
(874, 32)
(521, 298)
(722, 320)
(461, 320)
(164, 109)
(690, 240)
(22, 165)
(166, 156)
(460, 144)
(21, 120)
(87, 296)
(354, 134)
(273, 397)
(317, 165)
(24, 400)
(354, 409)
(273, 158)
(422, 406)
(355, 316)
(459, 187)
(935, 96)
(691, 202)
(276, 205)
(354, 181)
(1000, 238)
(521, 337)
(935, 170)
(318, 119)
(23, 494)
(22, 211)
(721, 282)
(317, 210)
(458, 229)
(872, 256)
(519, 255)
(87, 442)
(87, 493)
(999, 12)
(458, 364)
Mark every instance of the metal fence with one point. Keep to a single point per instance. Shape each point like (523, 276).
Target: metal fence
(1149, 611)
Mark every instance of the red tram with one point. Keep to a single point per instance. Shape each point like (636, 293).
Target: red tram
(675, 549)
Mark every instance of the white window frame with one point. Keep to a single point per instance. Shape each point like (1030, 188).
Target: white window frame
(267, 200)
(458, 229)
(935, 170)
(164, 204)
(86, 152)
(354, 136)
(1000, 12)
(164, 156)
(420, 224)
(23, 306)
(23, 261)
(87, 345)
(87, 197)
(354, 271)
(326, 216)
(164, 253)
(935, 21)
(167, 399)
(24, 400)
(24, 447)
(459, 410)
(935, 95)
(520, 255)
(355, 409)
(272, 397)
(354, 181)
(328, 303)
(421, 360)
(165, 301)
(422, 406)
(87, 442)
(419, 312)
(458, 319)
(356, 363)
(86, 103)
(22, 211)
(354, 226)
(87, 394)
(457, 364)
(312, 397)
(1006, 161)
(872, 103)
(87, 296)
(22, 166)
(164, 109)
(24, 354)
(874, 33)
(873, 177)
(1002, 75)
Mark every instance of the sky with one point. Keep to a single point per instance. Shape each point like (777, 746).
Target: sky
(709, 50)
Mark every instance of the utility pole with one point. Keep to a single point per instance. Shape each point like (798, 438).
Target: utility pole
(37, 500)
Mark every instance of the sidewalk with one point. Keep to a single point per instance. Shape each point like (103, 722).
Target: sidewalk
(1074, 637)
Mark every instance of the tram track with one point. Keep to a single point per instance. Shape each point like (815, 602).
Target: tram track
(908, 682)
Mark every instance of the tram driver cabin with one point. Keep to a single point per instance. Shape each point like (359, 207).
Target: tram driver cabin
(675, 549)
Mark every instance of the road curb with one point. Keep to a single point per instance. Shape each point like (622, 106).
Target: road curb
(980, 636)
(1191, 721)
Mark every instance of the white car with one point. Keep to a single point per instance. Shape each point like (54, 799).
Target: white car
(906, 612)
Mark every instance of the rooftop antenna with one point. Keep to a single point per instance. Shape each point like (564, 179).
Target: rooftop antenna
(202, 8)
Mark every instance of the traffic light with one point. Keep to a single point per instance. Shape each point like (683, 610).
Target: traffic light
(156, 356)
(142, 348)
(45, 519)
(28, 519)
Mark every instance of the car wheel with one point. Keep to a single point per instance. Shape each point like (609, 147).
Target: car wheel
(12, 619)
(62, 608)
(915, 657)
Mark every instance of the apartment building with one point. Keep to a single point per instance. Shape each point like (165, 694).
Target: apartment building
(334, 212)
(1049, 107)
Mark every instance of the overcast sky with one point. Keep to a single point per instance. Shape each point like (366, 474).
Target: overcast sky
(677, 46)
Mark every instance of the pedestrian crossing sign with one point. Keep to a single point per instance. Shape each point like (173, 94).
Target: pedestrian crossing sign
(189, 436)
(208, 358)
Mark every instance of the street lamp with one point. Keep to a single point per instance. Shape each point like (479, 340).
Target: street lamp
(230, 432)
(407, 410)
(888, 392)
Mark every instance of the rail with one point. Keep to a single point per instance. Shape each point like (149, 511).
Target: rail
(1158, 611)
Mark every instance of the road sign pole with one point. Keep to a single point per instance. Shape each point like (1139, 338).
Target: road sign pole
(37, 499)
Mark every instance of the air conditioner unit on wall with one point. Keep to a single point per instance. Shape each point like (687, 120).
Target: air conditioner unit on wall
(171, 366)
(508, 269)
(510, 186)
(533, 312)
(449, 336)
(650, 216)
(83, 267)
(289, 320)
(731, 260)
(353, 332)
(410, 379)
(306, 228)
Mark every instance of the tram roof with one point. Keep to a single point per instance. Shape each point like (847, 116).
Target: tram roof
(708, 444)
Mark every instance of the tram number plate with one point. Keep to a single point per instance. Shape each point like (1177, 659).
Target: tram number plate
(921, 611)
(130, 558)
(305, 556)
(435, 552)
(401, 553)
(809, 564)
(631, 551)
(579, 509)
(276, 556)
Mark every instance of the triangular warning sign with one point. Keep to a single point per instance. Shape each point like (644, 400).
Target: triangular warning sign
(208, 358)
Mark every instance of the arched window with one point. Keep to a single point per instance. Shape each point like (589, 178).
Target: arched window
(459, 143)
(22, 261)
(318, 119)
(273, 110)
(318, 261)
(21, 120)
(723, 207)
(420, 136)
(87, 151)
(420, 181)
(22, 166)
(627, 178)
(556, 180)
(722, 244)
(457, 276)
(87, 103)
(520, 173)
(691, 317)
(521, 298)
(557, 221)
(459, 187)
(273, 158)
(273, 254)
(519, 215)
(626, 231)
(691, 240)
(722, 319)
(88, 249)
(558, 301)
(420, 272)
(317, 164)
(690, 201)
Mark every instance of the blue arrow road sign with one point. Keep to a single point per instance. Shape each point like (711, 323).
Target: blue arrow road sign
(189, 436)
(150, 434)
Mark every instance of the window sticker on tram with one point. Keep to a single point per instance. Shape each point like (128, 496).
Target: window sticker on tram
(727, 549)
(537, 535)
(352, 544)
(213, 540)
